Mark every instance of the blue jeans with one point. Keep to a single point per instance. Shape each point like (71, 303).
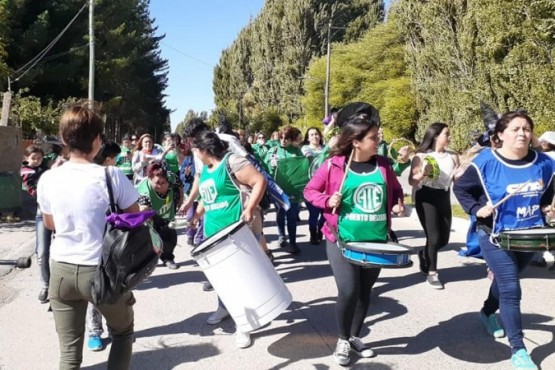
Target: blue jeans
(505, 293)
(291, 216)
(43, 238)
(315, 217)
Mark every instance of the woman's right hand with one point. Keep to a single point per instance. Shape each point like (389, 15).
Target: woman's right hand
(485, 211)
(335, 200)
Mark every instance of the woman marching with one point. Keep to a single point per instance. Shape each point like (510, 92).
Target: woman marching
(370, 192)
(527, 176)
(74, 199)
(313, 146)
(431, 176)
(227, 179)
(277, 156)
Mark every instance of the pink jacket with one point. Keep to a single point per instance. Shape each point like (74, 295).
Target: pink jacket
(327, 180)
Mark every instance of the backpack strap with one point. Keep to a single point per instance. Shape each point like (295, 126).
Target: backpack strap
(232, 174)
(112, 208)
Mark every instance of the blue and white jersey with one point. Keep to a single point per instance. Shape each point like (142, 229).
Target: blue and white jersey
(530, 181)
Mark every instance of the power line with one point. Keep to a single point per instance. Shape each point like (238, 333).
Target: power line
(41, 55)
(187, 55)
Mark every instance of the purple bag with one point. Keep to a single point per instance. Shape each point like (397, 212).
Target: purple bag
(129, 220)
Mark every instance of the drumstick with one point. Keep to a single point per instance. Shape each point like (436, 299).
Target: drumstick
(510, 195)
(344, 177)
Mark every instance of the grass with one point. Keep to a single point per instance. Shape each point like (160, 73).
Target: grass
(457, 211)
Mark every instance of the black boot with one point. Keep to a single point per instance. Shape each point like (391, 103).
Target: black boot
(314, 237)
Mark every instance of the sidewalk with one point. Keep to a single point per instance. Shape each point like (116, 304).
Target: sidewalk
(409, 325)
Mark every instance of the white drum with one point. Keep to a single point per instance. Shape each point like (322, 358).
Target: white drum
(243, 276)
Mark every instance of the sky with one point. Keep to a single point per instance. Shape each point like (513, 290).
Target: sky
(196, 33)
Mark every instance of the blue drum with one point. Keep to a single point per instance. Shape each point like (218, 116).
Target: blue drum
(377, 255)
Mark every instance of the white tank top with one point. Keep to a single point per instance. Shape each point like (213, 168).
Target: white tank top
(446, 165)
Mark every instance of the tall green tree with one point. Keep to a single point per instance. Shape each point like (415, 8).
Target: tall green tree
(372, 70)
(461, 52)
(263, 70)
(130, 73)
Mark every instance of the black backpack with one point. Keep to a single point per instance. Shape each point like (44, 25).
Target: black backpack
(129, 255)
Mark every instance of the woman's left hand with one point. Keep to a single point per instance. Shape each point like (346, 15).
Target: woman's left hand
(399, 210)
(549, 212)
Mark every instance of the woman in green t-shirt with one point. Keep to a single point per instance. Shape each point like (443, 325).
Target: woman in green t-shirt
(357, 198)
(230, 189)
(278, 156)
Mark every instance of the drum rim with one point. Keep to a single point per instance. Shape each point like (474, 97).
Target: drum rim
(209, 243)
(406, 250)
(508, 235)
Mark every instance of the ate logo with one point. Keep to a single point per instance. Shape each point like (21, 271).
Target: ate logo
(369, 197)
(208, 191)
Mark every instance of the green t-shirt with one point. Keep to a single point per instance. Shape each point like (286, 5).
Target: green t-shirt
(220, 197)
(363, 211)
(123, 162)
(277, 154)
(164, 206)
(171, 160)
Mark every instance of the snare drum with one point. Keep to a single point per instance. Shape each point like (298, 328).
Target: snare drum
(374, 255)
(530, 240)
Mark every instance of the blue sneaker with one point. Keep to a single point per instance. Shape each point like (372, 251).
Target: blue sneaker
(521, 360)
(492, 325)
(95, 343)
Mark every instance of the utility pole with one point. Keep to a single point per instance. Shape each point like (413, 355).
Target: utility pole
(328, 70)
(6, 103)
(91, 53)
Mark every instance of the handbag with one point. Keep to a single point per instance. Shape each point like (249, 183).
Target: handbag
(130, 251)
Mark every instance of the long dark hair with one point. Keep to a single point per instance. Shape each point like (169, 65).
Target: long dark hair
(354, 129)
(307, 141)
(211, 144)
(432, 132)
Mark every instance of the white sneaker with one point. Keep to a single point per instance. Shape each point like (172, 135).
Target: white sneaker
(217, 317)
(341, 354)
(243, 340)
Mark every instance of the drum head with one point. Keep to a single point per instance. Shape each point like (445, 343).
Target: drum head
(373, 247)
(216, 238)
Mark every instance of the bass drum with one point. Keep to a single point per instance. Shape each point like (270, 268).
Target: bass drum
(243, 276)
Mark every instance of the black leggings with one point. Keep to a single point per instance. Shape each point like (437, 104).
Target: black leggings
(354, 284)
(433, 207)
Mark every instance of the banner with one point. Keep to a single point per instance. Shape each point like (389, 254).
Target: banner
(292, 174)
(276, 193)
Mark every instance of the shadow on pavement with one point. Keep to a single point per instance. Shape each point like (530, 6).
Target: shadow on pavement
(166, 357)
(193, 325)
(20, 226)
(175, 278)
(297, 345)
(464, 338)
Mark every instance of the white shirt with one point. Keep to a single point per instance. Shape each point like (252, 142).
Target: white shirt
(76, 196)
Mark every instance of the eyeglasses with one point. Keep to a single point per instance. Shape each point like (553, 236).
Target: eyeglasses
(261, 137)
(133, 139)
